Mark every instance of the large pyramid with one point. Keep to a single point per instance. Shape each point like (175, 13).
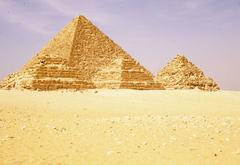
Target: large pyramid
(80, 56)
(182, 74)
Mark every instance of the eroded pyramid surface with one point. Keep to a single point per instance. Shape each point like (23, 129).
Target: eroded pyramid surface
(80, 56)
(182, 74)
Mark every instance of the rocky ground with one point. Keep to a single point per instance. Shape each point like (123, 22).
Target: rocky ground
(120, 127)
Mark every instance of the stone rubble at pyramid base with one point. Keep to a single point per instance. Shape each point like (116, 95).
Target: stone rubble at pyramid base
(25, 82)
(205, 88)
(52, 86)
(205, 84)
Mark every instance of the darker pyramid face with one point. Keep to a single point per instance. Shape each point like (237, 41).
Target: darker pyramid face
(182, 74)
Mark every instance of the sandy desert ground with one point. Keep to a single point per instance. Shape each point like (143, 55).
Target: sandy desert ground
(120, 127)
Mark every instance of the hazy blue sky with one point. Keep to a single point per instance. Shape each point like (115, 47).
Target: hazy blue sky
(152, 31)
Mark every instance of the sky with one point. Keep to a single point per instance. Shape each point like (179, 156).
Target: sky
(207, 32)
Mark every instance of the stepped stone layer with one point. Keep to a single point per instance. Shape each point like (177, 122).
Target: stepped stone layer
(182, 74)
(80, 56)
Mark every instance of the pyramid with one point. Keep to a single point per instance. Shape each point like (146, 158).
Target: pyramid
(182, 74)
(80, 56)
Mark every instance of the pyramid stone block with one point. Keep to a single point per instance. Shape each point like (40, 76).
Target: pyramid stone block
(182, 74)
(80, 56)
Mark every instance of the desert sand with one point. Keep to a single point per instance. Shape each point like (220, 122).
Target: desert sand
(120, 127)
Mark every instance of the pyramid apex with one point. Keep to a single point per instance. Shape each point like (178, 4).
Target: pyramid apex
(180, 57)
(80, 17)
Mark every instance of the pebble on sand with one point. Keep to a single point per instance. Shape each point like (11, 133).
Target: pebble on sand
(109, 153)
(237, 152)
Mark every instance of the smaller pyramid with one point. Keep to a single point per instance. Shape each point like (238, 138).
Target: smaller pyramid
(182, 74)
